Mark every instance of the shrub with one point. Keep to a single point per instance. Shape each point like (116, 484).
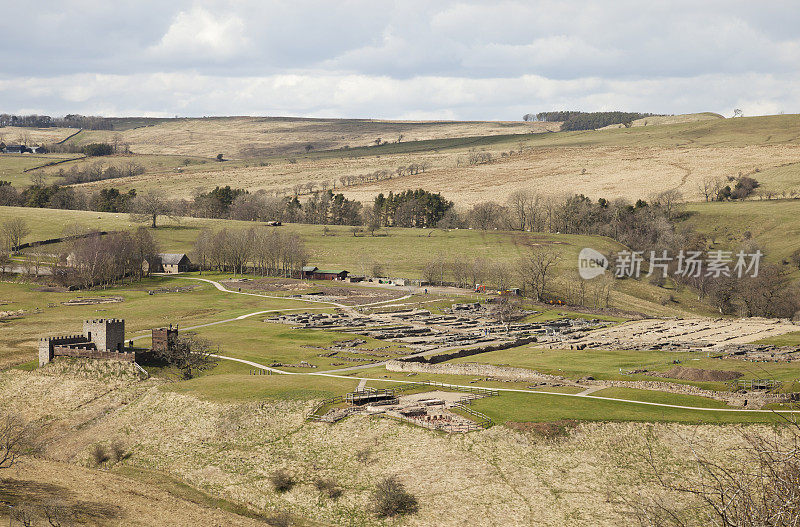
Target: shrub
(100, 455)
(550, 430)
(98, 149)
(392, 498)
(364, 455)
(328, 487)
(282, 481)
(118, 452)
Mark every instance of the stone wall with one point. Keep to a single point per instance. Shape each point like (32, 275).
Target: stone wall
(65, 351)
(505, 373)
(47, 344)
(467, 352)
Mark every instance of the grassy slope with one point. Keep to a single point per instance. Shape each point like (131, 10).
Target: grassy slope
(13, 166)
(597, 163)
(775, 224)
(402, 252)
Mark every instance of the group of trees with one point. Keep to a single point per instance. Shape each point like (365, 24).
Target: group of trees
(68, 121)
(719, 189)
(98, 171)
(105, 260)
(264, 251)
(641, 224)
(410, 208)
(575, 120)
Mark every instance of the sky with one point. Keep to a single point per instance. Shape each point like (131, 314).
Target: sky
(410, 59)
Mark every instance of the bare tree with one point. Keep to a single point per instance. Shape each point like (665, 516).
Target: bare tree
(668, 201)
(16, 438)
(708, 187)
(519, 207)
(189, 355)
(753, 484)
(14, 230)
(535, 269)
(149, 205)
(505, 309)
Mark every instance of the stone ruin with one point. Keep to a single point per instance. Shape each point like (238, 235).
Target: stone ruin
(438, 410)
(461, 325)
(103, 338)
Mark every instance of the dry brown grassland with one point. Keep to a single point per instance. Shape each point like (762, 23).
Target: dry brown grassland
(238, 137)
(609, 163)
(501, 476)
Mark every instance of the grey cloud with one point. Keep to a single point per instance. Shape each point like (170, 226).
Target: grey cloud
(459, 59)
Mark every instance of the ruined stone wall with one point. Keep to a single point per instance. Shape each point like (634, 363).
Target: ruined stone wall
(47, 345)
(66, 351)
(474, 369)
(467, 352)
(164, 338)
(752, 399)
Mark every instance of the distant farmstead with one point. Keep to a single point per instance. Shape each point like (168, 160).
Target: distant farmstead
(311, 272)
(170, 263)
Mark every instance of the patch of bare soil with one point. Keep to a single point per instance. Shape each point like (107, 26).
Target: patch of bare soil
(546, 429)
(269, 284)
(358, 295)
(51, 289)
(344, 293)
(93, 301)
(698, 374)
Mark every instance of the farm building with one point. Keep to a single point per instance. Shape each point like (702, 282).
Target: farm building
(170, 263)
(311, 272)
(16, 149)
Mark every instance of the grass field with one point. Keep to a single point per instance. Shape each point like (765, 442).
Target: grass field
(544, 407)
(45, 314)
(774, 224)
(238, 137)
(613, 364)
(14, 135)
(13, 166)
(264, 387)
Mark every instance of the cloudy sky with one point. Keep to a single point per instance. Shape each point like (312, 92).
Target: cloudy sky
(401, 60)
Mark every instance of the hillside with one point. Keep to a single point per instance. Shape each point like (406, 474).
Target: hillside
(631, 163)
(249, 137)
(401, 252)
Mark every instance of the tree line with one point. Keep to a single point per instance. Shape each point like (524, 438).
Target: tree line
(90, 122)
(262, 251)
(576, 120)
(101, 261)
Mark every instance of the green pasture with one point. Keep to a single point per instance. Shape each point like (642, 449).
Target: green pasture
(45, 314)
(13, 166)
(614, 364)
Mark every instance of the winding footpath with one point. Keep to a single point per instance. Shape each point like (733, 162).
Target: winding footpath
(586, 394)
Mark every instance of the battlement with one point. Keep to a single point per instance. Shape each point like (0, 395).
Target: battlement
(104, 321)
(62, 339)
